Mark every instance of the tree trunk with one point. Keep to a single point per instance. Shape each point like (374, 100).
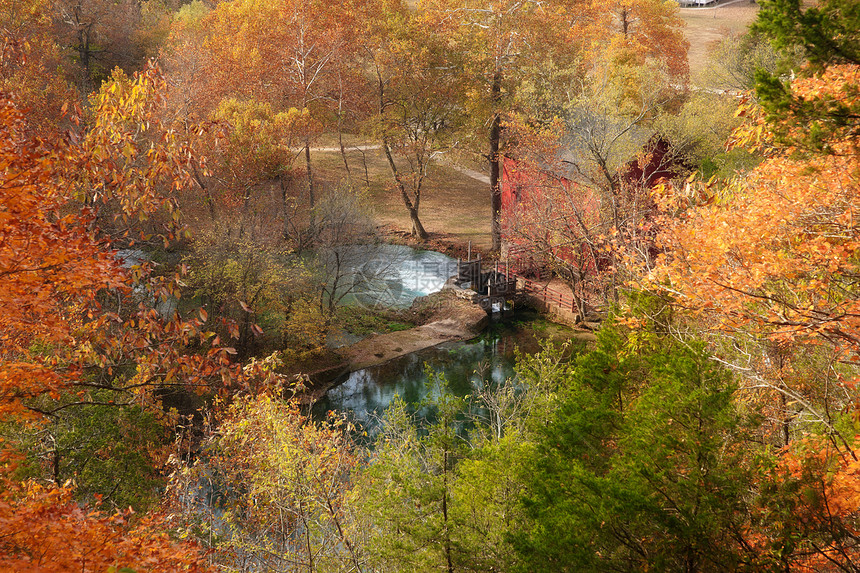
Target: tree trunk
(56, 464)
(311, 197)
(786, 419)
(449, 561)
(343, 155)
(84, 54)
(340, 129)
(496, 164)
(210, 201)
(417, 227)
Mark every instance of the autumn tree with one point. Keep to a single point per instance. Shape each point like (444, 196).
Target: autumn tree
(113, 452)
(134, 160)
(827, 34)
(249, 139)
(349, 257)
(701, 145)
(733, 63)
(44, 529)
(63, 348)
(641, 31)
(605, 130)
(581, 184)
(285, 480)
(767, 266)
(256, 150)
(514, 56)
(185, 63)
(777, 280)
(416, 100)
(806, 512)
(74, 322)
(98, 36)
(781, 279)
(288, 54)
(32, 66)
(50, 263)
(492, 43)
(406, 491)
(253, 291)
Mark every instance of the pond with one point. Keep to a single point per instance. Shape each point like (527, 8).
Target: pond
(392, 276)
(365, 394)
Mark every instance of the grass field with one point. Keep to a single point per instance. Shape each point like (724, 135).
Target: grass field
(707, 25)
(454, 207)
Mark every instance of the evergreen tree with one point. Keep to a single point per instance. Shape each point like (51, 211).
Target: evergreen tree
(640, 467)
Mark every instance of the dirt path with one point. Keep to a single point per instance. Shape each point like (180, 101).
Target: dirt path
(477, 175)
(368, 147)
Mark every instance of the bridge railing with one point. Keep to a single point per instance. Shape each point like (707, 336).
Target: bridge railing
(540, 291)
(549, 296)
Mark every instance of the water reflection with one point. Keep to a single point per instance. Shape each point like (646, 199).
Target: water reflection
(365, 394)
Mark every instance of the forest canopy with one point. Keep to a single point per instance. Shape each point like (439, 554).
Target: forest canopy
(197, 204)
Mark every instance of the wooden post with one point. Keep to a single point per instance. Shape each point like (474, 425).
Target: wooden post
(470, 251)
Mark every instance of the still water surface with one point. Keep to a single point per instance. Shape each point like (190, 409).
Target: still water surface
(365, 394)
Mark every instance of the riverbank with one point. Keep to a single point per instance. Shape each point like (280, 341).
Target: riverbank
(446, 243)
(452, 319)
(441, 317)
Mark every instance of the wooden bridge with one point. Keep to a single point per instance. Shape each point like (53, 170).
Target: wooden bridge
(497, 286)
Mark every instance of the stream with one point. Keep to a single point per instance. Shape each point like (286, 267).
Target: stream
(365, 394)
(400, 274)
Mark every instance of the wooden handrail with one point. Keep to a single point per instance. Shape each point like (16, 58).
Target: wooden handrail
(546, 294)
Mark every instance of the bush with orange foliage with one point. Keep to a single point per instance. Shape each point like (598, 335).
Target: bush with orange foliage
(56, 338)
(44, 530)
